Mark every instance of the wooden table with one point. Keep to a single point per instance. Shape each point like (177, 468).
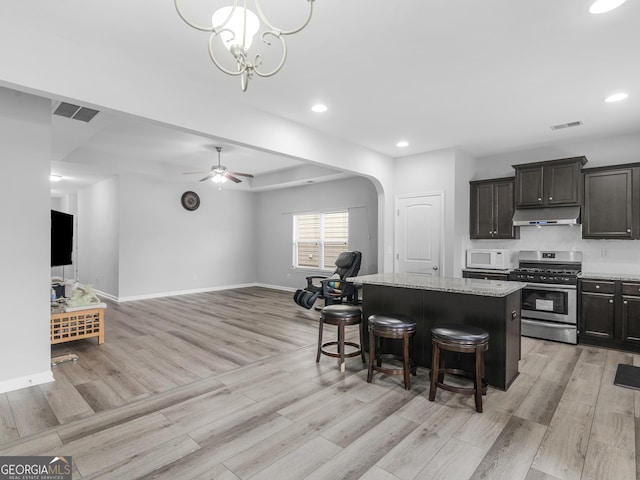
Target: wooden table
(76, 325)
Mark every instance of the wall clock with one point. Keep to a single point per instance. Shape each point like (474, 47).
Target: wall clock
(190, 200)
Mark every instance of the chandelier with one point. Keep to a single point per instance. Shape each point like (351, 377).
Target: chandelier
(236, 27)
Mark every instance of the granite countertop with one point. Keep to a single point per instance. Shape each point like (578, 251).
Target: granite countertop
(625, 277)
(469, 286)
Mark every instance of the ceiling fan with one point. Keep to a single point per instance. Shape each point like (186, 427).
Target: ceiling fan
(220, 174)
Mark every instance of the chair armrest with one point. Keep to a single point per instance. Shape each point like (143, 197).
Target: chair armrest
(311, 278)
(343, 289)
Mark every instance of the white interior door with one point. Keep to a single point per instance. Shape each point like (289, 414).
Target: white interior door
(418, 234)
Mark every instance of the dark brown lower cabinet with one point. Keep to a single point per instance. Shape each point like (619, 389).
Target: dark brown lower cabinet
(631, 313)
(609, 314)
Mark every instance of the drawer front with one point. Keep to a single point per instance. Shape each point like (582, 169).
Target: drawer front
(631, 289)
(597, 286)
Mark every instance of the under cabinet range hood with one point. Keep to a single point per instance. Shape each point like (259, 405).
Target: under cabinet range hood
(546, 216)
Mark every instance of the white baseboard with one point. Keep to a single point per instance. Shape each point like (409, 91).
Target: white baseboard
(276, 287)
(28, 381)
(183, 292)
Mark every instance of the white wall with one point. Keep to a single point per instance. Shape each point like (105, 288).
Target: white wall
(98, 236)
(439, 171)
(25, 149)
(607, 256)
(274, 216)
(464, 171)
(165, 249)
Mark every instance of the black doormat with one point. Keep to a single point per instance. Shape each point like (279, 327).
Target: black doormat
(627, 376)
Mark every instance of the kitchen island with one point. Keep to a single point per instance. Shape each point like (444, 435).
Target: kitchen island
(489, 304)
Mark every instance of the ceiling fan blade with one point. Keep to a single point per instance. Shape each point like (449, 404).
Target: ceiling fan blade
(190, 173)
(242, 174)
(205, 178)
(232, 178)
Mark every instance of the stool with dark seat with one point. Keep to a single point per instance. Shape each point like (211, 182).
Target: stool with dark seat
(395, 327)
(340, 315)
(462, 339)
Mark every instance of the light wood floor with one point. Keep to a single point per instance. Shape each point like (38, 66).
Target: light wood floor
(224, 385)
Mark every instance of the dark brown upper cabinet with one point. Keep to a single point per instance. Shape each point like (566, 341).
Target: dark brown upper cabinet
(550, 183)
(491, 209)
(612, 202)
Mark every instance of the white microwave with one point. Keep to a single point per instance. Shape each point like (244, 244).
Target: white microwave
(488, 258)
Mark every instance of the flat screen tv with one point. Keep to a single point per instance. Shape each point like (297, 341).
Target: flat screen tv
(61, 238)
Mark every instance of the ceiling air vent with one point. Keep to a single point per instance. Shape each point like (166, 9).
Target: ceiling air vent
(560, 126)
(76, 112)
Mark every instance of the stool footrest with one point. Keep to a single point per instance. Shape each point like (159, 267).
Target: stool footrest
(462, 374)
(337, 355)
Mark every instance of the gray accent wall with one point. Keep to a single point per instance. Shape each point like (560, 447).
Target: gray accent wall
(274, 219)
(137, 241)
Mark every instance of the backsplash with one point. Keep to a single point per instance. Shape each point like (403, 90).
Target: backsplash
(606, 256)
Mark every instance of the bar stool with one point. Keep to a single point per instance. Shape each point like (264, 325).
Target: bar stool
(462, 339)
(395, 327)
(340, 315)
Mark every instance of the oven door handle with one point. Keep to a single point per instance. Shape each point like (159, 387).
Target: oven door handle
(549, 286)
(548, 324)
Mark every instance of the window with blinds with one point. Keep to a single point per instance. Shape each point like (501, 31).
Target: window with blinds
(319, 238)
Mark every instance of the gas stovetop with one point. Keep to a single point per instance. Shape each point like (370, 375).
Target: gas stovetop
(558, 278)
(554, 267)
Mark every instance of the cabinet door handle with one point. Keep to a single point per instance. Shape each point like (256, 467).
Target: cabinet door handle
(550, 198)
(628, 230)
(539, 198)
(597, 286)
(610, 301)
(625, 302)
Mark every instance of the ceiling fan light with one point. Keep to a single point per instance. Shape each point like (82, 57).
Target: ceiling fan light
(616, 97)
(218, 178)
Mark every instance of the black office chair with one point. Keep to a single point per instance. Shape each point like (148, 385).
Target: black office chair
(333, 289)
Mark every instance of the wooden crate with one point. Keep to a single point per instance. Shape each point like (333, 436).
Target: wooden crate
(68, 326)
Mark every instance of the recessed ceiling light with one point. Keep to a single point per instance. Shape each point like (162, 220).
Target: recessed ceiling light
(55, 178)
(616, 97)
(319, 108)
(603, 6)
(402, 144)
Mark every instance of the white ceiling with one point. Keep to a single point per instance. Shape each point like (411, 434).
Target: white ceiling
(485, 77)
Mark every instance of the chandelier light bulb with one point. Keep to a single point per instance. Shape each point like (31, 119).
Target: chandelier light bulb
(236, 25)
(604, 6)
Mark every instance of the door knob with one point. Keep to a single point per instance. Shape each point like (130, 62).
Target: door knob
(435, 267)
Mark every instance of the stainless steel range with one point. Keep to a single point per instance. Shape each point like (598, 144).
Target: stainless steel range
(549, 300)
